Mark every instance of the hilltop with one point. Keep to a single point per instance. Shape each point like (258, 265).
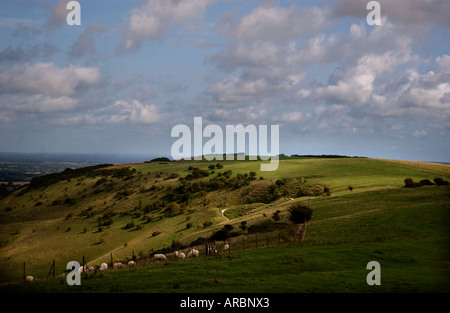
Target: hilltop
(165, 205)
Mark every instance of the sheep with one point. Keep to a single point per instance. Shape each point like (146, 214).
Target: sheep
(91, 269)
(82, 269)
(193, 253)
(226, 247)
(131, 263)
(158, 257)
(30, 279)
(181, 255)
(103, 267)
(117, 266)
(176, 254)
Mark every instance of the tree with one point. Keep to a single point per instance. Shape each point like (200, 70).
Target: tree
(300, 213)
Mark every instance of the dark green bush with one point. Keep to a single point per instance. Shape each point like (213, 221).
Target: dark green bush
(299, 213)
(440, 182)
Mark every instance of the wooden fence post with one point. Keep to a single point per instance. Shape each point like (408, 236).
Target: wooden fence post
(111, 260)
(83, 264)
(52, 269)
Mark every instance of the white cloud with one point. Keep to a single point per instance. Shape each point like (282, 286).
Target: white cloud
(154, 19)
(289, 117)
(57, 14)
(45, 78)
(419, 133)
(138, 113)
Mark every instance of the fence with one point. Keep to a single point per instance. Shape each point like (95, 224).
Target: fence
(217, 248)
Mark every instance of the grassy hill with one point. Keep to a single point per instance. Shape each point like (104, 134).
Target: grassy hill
(140, 208)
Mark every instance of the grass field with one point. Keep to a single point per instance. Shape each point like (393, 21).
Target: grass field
(405, 229)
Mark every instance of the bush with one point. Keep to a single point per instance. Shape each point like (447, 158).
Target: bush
(440, 182)
(207, 224)
(426, 182)
(199, 241)
(410, 183)
(276, 216)
(350, 188)
(156, 233)
(300, 213)
(243, 225)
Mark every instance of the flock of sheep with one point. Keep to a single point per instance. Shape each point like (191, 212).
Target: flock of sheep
(193, 253)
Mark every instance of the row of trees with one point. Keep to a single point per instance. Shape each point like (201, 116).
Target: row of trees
(410, 183)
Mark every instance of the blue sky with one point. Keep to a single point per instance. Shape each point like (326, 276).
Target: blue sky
(134, 69)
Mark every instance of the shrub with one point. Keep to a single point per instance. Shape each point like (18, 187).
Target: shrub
(243, 225)
(199, 241)
(440, 182)
(409, 183)
(207, 224)
(350, 188)
(300, 213)
(189, 225)
(276, 216)
(156, 233)
(426, 182)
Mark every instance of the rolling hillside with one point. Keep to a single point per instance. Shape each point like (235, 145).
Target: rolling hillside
(361, 211)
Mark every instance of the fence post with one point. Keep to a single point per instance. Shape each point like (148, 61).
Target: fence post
(111, 260)
(83, 263)
(52, 269)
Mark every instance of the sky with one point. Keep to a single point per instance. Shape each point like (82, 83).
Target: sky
(120, 81)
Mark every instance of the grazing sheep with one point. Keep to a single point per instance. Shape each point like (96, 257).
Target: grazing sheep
(30, 279)
(91, 269)
(193, 253)
(118, 265)
(226, 247)
(176, 254)
(158, 257)
(103, 267)
(131, 263)
(181, 255)
(80, 270)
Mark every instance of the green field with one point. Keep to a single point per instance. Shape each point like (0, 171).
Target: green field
(405, 229)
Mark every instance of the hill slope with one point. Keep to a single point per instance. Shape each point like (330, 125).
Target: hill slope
(137, 208)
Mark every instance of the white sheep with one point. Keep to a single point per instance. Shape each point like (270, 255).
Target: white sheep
(91, 269)
(103, 267)
(193, 253)
(176, 254)
(117, 265)
(80, 270)
(158, 257)
(181, 255)
(30, 279)
(131, 263)
(226, 247)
